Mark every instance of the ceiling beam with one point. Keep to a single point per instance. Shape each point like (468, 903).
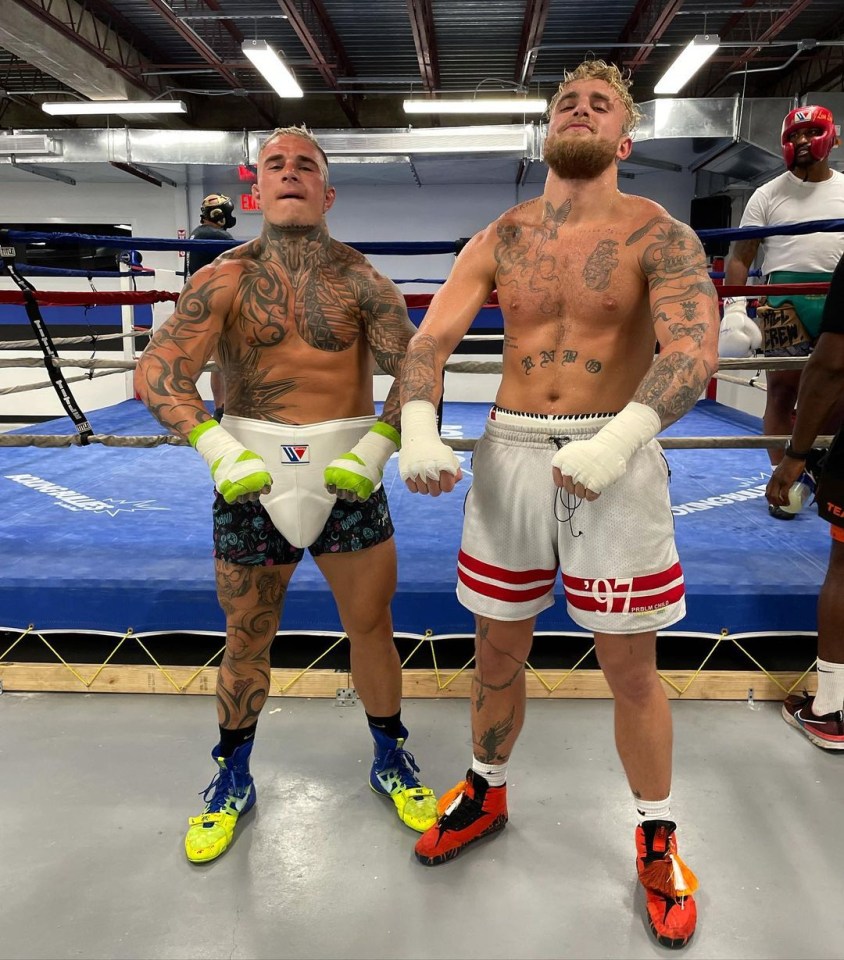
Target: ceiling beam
(33, 31)
(737, 18)
(770, 33)
(204, 50)
(421, 16)
(533, 27)
(818, 70)
(316, 32)
(646, 25)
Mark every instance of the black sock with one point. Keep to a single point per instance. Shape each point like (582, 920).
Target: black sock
(230, 740)
(391, 726)
(218, 413)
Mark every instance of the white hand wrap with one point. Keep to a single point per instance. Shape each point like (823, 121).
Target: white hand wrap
(359, 471)
(423, 455)
(739, 335)
(601, 460)
(238, 473)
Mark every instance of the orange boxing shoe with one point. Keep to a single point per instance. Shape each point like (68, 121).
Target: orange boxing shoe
(477, 810)
(668, 883)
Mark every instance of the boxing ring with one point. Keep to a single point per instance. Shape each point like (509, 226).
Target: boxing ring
(114, 546)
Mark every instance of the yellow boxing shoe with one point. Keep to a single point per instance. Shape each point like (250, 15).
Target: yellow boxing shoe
(232, 794)
(393, 775)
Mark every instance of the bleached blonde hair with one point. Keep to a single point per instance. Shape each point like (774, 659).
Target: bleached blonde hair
(305, 134)
(613, 77)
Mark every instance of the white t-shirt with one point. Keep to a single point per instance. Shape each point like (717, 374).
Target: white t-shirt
(788, 199)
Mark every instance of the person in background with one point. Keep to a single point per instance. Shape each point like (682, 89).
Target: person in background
(787, 326)
(216, 217)
(821, 717)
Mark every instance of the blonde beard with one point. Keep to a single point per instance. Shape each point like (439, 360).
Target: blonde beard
(578, 159)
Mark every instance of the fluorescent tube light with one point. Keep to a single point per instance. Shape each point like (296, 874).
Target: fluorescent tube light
(692, 57)
(272, 67)
(479, 105)
(367, 158)
(73, 108)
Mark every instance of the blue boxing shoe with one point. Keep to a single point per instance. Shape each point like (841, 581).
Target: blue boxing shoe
(228, 797)
(393, 775)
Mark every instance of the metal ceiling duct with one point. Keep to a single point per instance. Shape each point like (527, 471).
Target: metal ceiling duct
(738, 139)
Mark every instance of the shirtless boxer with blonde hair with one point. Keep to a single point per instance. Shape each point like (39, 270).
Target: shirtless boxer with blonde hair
(568, 476)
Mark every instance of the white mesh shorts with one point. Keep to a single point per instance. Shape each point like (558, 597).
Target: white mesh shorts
(620, 568)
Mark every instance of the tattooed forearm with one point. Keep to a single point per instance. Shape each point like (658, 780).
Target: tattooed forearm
(421, 374)
(673, 385)
(391, 412)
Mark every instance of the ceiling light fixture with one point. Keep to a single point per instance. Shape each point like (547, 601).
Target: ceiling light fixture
(73, 108)
(692, 57)
(272, 68)
(477, 105)
(367, 158)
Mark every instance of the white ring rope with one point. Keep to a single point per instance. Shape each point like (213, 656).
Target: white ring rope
(461, 366)
(25, 387)
(669, 443)
(91, 339)
(752, 382)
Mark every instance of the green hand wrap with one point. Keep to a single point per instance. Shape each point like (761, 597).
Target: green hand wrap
(356, 475)
(238, 473)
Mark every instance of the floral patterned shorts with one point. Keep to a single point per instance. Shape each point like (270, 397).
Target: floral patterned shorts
(244, 533)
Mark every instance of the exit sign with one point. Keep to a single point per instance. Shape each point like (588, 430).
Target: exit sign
(247, 202)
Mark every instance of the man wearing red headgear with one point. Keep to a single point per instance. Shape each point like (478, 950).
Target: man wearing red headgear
(808, 190)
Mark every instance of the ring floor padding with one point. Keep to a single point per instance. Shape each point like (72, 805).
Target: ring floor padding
(101, 538)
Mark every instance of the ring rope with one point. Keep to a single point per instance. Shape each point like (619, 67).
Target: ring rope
(752, 382)
(64, 298)
(669, 443)
(89, 338)
(395, 248)
(25, 387)
(458, 366)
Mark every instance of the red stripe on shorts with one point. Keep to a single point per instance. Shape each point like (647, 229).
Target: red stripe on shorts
(502, 574)
(625, 602)
(495, 592)
(648, 582)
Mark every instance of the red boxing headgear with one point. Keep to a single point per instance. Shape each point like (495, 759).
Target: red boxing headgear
(801, 118)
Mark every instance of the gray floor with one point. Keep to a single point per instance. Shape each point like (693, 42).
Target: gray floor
(96, 791)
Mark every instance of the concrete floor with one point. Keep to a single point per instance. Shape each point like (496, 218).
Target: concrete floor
(96, 791)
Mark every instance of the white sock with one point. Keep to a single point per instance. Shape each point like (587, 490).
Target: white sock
(653, 809)
(830, 695)
(495, 774)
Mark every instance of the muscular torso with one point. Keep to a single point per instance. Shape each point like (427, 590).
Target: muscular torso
(293, 348)
(578, 329)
